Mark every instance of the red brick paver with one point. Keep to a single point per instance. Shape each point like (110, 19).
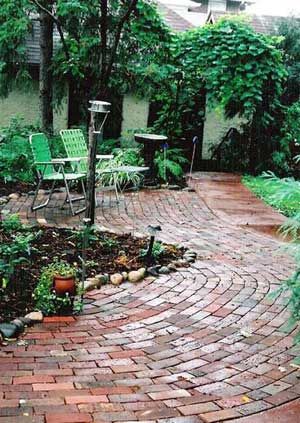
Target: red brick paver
(204, 344)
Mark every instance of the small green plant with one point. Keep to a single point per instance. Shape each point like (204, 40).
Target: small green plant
(157, 250)
(12, 223)
(86, 234)
(16, 250)
(122, 157)
(108, 243)
(169, 165)
(13, 254)
(46, 299)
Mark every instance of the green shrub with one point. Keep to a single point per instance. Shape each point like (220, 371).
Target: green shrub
(107, 146)
(283, 194)
(15, 154)
(15, 250)
(288, 191)
(283, 159)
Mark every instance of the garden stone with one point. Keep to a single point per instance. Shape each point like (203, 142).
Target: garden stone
(164, 270)
(103, 279)
(8, 330)
(136, 275)
(189, 259)
(35, 316)
(125, 275)
(89, 285)
(186, 256)
(191, 253)
(25, 321)
(172, 267)
(181, 263)
(189, 189)
(13, 196)
(20, 325)
(3, 200)
(153, 270)
(174, 187)
(116, 279)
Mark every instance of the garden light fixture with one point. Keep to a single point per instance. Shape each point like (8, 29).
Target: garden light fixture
(102, 107)
(152, 231)
(99, 109)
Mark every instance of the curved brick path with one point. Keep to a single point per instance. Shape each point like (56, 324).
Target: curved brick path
(200, 345)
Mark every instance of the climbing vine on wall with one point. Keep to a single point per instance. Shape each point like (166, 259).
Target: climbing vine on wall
(240, 71)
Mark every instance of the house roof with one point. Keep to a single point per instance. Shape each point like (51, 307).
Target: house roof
(32, 42)
(178, 19)
(172, 18)
(264, 24)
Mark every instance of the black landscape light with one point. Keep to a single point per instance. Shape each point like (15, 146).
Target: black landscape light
(152, 231)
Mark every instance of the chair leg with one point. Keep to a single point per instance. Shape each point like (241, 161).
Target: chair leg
(82, 197)
(71, 200)
(116, 187)
(40, 206)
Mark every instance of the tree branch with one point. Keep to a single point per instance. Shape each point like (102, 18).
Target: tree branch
(58, 26)
(103, 34)
(120, 26)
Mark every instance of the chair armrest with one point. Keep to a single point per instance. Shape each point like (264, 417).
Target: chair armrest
(67, 159)
(104, 156)
(46, 163)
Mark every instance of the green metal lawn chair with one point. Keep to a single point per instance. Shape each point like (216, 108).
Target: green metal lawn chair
(75, 146)
(53, 170)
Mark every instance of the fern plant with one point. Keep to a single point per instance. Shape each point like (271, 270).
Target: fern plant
(288, 190)
(169, 164)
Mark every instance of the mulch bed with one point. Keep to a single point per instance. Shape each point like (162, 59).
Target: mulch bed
(108, 254)
(7, 188)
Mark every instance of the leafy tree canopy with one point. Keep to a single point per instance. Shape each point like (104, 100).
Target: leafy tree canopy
(14, 25)
(93, 56)
(289, 30)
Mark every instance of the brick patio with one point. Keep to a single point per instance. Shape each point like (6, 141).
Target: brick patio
(204, 344)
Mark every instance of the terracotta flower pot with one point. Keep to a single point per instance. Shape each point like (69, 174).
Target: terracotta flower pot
(64, 284)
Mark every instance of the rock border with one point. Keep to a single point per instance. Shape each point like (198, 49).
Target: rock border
(10, 331)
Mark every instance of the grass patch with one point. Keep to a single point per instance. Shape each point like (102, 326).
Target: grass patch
(270, 188)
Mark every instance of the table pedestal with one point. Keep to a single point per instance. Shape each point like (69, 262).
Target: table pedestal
(151, 143)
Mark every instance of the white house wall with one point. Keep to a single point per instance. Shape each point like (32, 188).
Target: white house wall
(25, 104)
(215, 127)
(135, 113)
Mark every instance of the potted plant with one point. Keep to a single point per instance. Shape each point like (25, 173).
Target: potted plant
(56, 289)
(64, 279)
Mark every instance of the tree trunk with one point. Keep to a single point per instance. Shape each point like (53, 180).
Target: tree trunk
(74, 117)
(45, 76)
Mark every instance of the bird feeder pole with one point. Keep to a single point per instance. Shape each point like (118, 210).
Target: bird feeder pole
(103, 108)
